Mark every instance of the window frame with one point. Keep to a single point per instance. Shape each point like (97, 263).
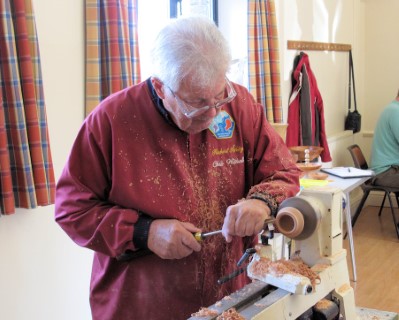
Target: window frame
(212, 3)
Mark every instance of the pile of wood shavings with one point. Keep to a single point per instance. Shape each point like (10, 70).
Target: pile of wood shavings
(278, 268)
(323, 304)
(230, 314)
(205, 312)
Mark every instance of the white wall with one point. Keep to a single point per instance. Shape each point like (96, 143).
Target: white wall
(43, 274)
(382, 65)
(320, 21)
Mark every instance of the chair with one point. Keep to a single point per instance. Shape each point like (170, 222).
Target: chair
(360, 162)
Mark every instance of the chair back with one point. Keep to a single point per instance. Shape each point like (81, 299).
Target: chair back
(360, 162)
(358, 158)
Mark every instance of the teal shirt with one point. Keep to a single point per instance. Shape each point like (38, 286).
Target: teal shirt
(385, 148)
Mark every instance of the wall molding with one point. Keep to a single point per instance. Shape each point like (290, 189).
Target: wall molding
(368, 134)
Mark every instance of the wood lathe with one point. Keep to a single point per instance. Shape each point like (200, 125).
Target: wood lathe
(313, 222)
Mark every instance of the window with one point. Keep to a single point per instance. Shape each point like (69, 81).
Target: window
(208, 8)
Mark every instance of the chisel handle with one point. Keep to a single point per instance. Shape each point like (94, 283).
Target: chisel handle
(199, 236)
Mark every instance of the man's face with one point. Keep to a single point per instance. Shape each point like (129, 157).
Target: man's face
(188, 105)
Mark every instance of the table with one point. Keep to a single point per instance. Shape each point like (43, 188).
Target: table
(347, 185)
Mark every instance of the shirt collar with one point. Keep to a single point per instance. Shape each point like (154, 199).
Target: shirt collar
(159, 103)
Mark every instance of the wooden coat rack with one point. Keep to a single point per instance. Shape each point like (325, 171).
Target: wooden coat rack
(317, 46)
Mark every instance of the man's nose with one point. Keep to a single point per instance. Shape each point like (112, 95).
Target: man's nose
(213, 112)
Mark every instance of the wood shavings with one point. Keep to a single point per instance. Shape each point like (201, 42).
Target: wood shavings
(205, 312)
(230, 314)
(278, 268)
(323, 304)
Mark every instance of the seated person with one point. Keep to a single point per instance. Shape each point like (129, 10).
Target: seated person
(385, 148)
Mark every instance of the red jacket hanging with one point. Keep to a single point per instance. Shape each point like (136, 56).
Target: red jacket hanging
(306, 125)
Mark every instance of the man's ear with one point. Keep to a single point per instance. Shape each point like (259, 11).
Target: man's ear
(158, 87)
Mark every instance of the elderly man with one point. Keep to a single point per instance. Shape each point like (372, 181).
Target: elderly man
(182, 152)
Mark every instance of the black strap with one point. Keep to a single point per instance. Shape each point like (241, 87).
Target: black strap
(351, 78)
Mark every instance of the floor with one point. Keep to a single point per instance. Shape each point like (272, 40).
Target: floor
(377, 261)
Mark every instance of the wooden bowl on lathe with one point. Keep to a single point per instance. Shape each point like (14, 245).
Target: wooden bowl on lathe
(308, 168)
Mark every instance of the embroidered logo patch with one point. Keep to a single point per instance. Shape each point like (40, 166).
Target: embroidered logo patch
(222, 126)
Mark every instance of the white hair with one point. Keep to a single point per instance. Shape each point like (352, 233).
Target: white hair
(190, 47)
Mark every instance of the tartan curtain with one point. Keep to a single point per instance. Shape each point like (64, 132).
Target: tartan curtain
(26, 168)
(263, 57)
(112, 52)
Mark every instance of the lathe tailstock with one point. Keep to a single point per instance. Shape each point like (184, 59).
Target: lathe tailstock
(313, 220)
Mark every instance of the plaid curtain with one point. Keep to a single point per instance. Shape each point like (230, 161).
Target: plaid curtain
(26, 168)
(112, 52)
(263, 57)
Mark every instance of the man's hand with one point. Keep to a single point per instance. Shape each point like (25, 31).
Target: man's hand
(246, 218)
(172, 239)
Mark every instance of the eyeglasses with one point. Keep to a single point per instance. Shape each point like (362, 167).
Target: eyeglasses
(192, 111)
